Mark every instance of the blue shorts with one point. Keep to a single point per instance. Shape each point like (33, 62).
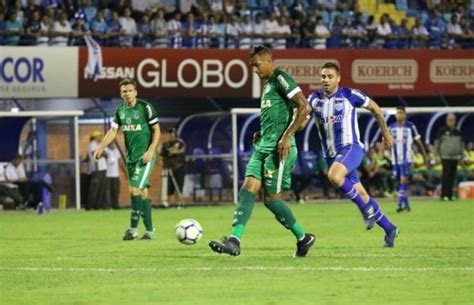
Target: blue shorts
(351, 156)
(401, 170)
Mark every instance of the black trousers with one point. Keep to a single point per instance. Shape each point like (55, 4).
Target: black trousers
(96, 199)
(12, 193)
(448, 177)
(113, 191)
(178, 174)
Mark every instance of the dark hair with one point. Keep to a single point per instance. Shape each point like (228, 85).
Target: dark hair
(401, 107)
(331, 65)
(172, 130)
(128, 81)
(259, 49)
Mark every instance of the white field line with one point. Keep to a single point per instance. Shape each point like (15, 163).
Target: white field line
(240, 268)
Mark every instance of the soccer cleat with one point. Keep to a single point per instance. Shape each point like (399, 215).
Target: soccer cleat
(303, 246)
(390, 238)
(130, 235)
(229, 246)
(369, 216)
(148, 235)
(400, 209)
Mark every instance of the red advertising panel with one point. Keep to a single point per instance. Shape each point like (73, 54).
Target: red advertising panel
(226, 73)
(168, 72)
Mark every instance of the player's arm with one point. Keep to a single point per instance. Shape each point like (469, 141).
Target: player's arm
(300, 113)
(377, 112)
(156, 134)
(108, 138)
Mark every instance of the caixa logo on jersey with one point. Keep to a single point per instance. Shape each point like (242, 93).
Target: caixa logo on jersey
(21, 70)
(189, 73)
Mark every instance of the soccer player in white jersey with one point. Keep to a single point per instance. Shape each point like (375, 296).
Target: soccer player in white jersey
(334, 109)
(404, 133)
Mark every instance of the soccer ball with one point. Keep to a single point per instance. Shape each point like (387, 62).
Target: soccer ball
(188, 231)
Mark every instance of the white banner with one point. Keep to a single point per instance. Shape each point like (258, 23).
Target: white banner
(38, 72)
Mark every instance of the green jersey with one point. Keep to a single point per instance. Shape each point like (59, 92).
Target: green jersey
(136, 124)
(276, 109)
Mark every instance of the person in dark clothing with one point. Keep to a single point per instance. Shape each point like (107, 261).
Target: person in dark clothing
(449, 145)
(173, 152)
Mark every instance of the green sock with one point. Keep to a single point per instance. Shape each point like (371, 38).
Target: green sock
(242, 213)
(146, 214)
(135, 211)
(298, 231)
(284, 216)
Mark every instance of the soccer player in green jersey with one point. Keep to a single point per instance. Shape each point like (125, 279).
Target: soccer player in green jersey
(139, 122)
(284, 110)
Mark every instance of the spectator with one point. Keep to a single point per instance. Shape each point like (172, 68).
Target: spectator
(128, 28)
(283, 33)
(144, 32)
(13, 30)
(98, 168)
(454, 31)
(175, 29)
(270, 29)
(384, 32)
(89, 10)
(449, 147)
(99, 28)
(209, 34)
(258, 30)
(190, 31)
(468, 166)
(3, 28)
(115, 30)
(174, 159)
(403, 35)
(185, 6)
(33, 29)
(159, 31)
(420, 35)
(232, 33)
(30, 9)
(113, 175)
(320, 35)
(10, 190)
(61, 31)
(436, 27)
(337, 33)
(79, 29)
(245, 33)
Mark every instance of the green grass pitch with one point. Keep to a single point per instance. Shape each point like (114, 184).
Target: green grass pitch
(70, 257)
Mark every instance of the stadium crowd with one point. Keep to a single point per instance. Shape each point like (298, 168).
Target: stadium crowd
(233, 24)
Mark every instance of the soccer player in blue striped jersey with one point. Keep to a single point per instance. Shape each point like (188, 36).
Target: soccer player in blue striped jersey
(404, 133)
(335, 112)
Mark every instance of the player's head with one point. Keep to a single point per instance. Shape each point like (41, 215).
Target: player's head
(401, 114)
(260, 58)
(330, 77)
(128, 90)
(451, 120)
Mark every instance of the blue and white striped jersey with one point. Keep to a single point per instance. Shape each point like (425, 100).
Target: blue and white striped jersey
(403, 138)
(336, 118)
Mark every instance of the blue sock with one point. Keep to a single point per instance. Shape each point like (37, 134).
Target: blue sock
(382, 220)
(349, 190)
(404, 194)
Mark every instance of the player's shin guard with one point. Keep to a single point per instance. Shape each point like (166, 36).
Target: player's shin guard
(284, 216)
(242, 213)
(350, 191)
(382, 220)
(135, 211)
(146, 214)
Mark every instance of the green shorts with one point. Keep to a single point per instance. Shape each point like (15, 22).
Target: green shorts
(139, 173)
(267, 165)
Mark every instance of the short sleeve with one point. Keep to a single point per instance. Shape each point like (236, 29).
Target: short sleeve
(358, 98)
(151, 114)
(116, 119)
(287, 85)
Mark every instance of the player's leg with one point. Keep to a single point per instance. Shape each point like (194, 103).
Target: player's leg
(243, 211)
(403, 192)
(142, 186)
(135, 206)
(391, 231)
(346, 162)
(277, 177)
(398, 175)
